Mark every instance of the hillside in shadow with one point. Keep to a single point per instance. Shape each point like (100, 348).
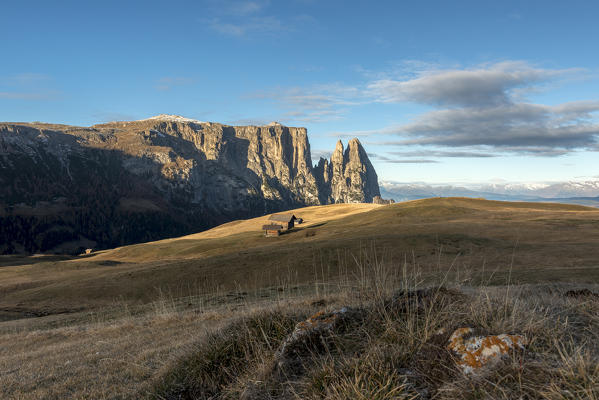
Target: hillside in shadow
(65, 191)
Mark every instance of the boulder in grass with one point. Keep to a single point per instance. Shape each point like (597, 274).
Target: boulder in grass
(476, 352)
(309, 336)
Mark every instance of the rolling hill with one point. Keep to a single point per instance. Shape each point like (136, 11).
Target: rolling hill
(473, 239)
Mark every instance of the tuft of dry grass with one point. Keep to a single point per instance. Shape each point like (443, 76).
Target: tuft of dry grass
(397, 349)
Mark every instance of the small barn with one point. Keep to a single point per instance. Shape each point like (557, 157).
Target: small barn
(287, 220)
(272, 229)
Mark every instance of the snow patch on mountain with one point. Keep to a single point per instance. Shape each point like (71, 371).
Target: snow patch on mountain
(173, 118)
(501, 191)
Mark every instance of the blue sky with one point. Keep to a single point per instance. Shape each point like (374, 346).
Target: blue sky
(437, 91)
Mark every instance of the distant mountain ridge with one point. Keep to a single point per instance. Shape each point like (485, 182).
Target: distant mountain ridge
(574, 192)
(67, 187)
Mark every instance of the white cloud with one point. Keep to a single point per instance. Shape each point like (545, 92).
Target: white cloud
(513, 126)
(484, 109)
(481, 110)
(477, 87)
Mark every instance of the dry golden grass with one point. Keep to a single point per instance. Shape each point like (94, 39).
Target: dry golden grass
(484, 241)
(311, 215)
(397, 349)
(127, 323)
(194, 348)
(115, 354)
(93, 361)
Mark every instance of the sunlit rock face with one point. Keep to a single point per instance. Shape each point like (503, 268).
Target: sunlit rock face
(117, 183)
(349, 177)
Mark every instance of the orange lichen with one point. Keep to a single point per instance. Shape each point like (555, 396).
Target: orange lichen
(320, 319)
(317, 324)
(477, 351)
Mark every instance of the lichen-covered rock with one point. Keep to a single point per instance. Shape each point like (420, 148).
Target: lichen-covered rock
(309, 335)
(478, 351)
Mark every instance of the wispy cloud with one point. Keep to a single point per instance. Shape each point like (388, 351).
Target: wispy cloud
(412, 161)
(242, 19)
(442, 154)
(24, 79)
(250, 121)
(27, 95)
(388, 130)
(514, 16)
(402, 70)
(169, 82)
(27, 86)
(314, 104)
(318, 153)
(393, 160)
(243, 8)
(257, 24)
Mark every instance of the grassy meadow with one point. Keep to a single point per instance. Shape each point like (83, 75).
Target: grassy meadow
(202, 316)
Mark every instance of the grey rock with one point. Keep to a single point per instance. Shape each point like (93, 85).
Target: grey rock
(349, 177)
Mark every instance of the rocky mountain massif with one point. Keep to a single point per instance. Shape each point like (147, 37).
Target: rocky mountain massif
(65, 188)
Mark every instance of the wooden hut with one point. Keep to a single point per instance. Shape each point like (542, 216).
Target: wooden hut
(287, 220)
(272, 229)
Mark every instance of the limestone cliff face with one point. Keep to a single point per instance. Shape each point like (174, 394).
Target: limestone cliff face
(123, 182)
(224, 167)
(349, 177)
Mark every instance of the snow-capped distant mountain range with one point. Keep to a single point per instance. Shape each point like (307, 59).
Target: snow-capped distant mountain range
(576, 192)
